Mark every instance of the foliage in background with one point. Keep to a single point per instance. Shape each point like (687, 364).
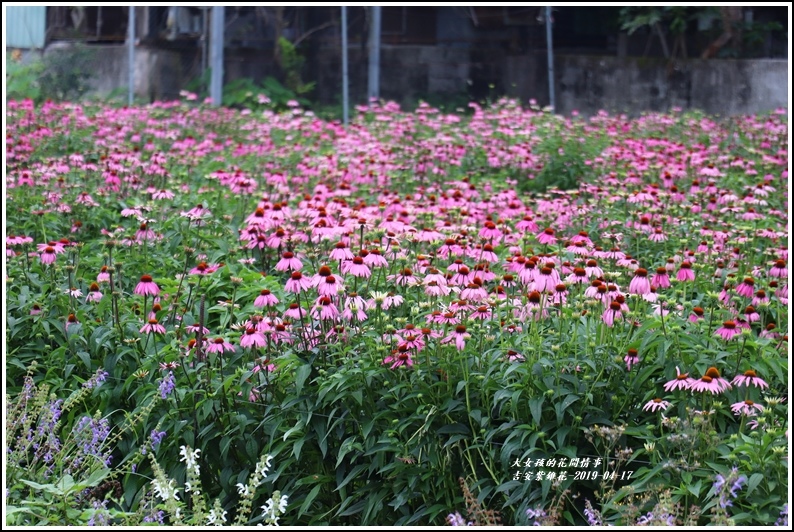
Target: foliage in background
(58, 75)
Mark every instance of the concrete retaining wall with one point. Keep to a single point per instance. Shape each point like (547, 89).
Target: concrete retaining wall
(584, 83)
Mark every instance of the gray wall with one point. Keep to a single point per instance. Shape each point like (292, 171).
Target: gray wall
(632, 85)
(585, 83)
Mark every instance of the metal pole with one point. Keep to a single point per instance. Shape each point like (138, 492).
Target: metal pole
(131, 55)
(204, 31)
(216, 55)
(550, 57)
(373, 90)
(345, 94)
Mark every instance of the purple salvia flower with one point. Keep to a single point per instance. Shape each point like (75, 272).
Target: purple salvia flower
(98, 378)
(536, 514)
(167, 385)
(593, 517)
(157, 437)
(783, 519)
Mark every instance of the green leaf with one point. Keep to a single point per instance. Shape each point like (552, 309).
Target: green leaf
(535, 406)
(300, 377)
(309, 499)
(755, 480)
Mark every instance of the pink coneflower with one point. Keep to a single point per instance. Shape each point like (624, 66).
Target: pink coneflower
(94, 294)
(547, 279)
(264, 365)
(297, 283)
(146, 287)
(58, 247)
(35, 310)
(195, 328)
(75, 292)
(779, 269)
(354, 307)
(288, 262)
(656, 404)
(746, 287)
(612, 313)
(373, 258)
(265, 299)
(459, 336)
(592, 269)
(631, 359)
(152, 326)
(579, 276)
(162, 194)
(746, 408)
(450, 247)
(474, 291)
(769, 331)
(489, 231)
(325, 309)
(559, 295)
(639, 283)
(760, 298)
(706, 384)
(131, 211)
(48, 255)
(71, 322)
(252, 337)
(220, 345)
(103, 276)
(750, 314)
(661, 279)
(749, 378)
(392, 300)
(527, 223)
(697, 315)
(682, 381)
(728, 330)
(341, 252)
(685, 273)
(651, 297)
(356, 268)
(196, 212)
(294, 311)
(330, 285)
(546, 236)
(434, 289)
(399, 357)
(405, 277)
(202, 268)
(711, 382)
(462, 275)
(144, 233)
(481, 313)
(514, 356)
(657, 235)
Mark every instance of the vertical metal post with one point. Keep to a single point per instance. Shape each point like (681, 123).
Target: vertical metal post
(345, 94)
(373, 89)
(131, 55)
(204, 31)
(98, 22)
(550, 57)
(216, 54)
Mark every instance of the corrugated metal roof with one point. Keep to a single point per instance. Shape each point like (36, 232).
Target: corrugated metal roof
(25, 26)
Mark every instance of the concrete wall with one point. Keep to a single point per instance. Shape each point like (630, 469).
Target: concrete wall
(585, 83)
(407, 72)
(632, 85)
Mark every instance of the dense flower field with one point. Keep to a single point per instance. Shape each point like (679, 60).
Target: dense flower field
(221, 316)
